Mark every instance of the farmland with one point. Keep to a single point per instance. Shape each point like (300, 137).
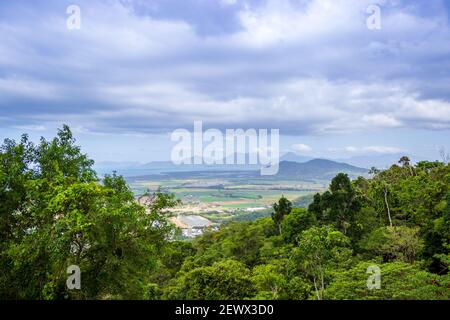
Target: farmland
(225, 198)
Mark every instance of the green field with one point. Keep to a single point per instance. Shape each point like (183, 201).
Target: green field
(225, 199)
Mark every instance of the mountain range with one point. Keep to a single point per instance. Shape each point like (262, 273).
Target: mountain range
(317, 169)
(314, 169)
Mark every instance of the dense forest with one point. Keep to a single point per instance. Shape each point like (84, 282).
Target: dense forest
(55, 212)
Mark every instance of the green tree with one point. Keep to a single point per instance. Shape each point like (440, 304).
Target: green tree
(60, 215)
(399, 281)
(268, 281)
(406, 163)
(281, 209)
(296, 222)
(320, 249)
(394, 244)
(224, 280)
(338, 206)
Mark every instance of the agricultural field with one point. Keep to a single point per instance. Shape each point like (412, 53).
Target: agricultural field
(225, 198)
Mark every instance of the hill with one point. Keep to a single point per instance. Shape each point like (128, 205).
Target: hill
(317, 169)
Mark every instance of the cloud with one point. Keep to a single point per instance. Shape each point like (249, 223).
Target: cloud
(368, 150)
(351, 149)
(32, 128)
(381, 120)
(300, 147)
(382, 149)
(34, 89)
(305, 67)
(228, 2)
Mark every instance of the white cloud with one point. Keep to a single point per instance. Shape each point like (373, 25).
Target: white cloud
(30, 88)
(280, 21)
(381, 120)
(368, 149)
(320, 71)
(351, 149)
(300, 147)
(382, 149)
(32, 128)
(228, 2)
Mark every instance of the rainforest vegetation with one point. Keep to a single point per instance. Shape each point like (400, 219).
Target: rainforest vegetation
(56, 212)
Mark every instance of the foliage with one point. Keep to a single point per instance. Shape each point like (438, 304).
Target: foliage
(58, 214)
(55, 212)
(297, 221)
(399, 280)
(320, 249)
(394, 243)
(280, 210)
(338, 206)
(224, 280)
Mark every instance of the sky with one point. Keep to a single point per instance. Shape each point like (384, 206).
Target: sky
(136, 70)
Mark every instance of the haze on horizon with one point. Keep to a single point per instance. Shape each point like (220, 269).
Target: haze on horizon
(137, 70)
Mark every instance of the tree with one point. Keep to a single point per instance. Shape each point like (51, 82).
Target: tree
(268, 281)
(60, 215)
(406, 163)
(399, 281)
(441, 236)
(15, 171)
(273, 281)
(172, 258)
(380, 187)
(55, 213)
(61, 157)
(338, 206)
(394, 244)
(224, 280)
(281, 209)
(319, 250)
(296, 222)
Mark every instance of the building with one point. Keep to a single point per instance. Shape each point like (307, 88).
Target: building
(192, 225)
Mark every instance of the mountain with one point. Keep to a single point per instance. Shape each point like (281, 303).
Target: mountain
(158, 163)
(315, 169)
(318, 169)
(294, 157)
(133, 169)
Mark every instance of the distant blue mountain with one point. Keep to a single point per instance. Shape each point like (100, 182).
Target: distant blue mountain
(318, 169)
(315, 169)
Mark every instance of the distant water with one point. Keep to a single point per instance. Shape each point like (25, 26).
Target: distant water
(128, 172)
(161, 169)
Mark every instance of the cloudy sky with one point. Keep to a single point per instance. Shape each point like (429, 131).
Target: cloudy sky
(136, 70)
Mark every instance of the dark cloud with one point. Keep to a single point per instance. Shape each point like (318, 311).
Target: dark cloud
(306, 67)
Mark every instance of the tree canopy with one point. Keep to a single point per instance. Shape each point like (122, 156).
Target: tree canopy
(55, 212)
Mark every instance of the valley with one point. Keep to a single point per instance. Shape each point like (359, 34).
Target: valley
(225, 199)
(225, 196)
